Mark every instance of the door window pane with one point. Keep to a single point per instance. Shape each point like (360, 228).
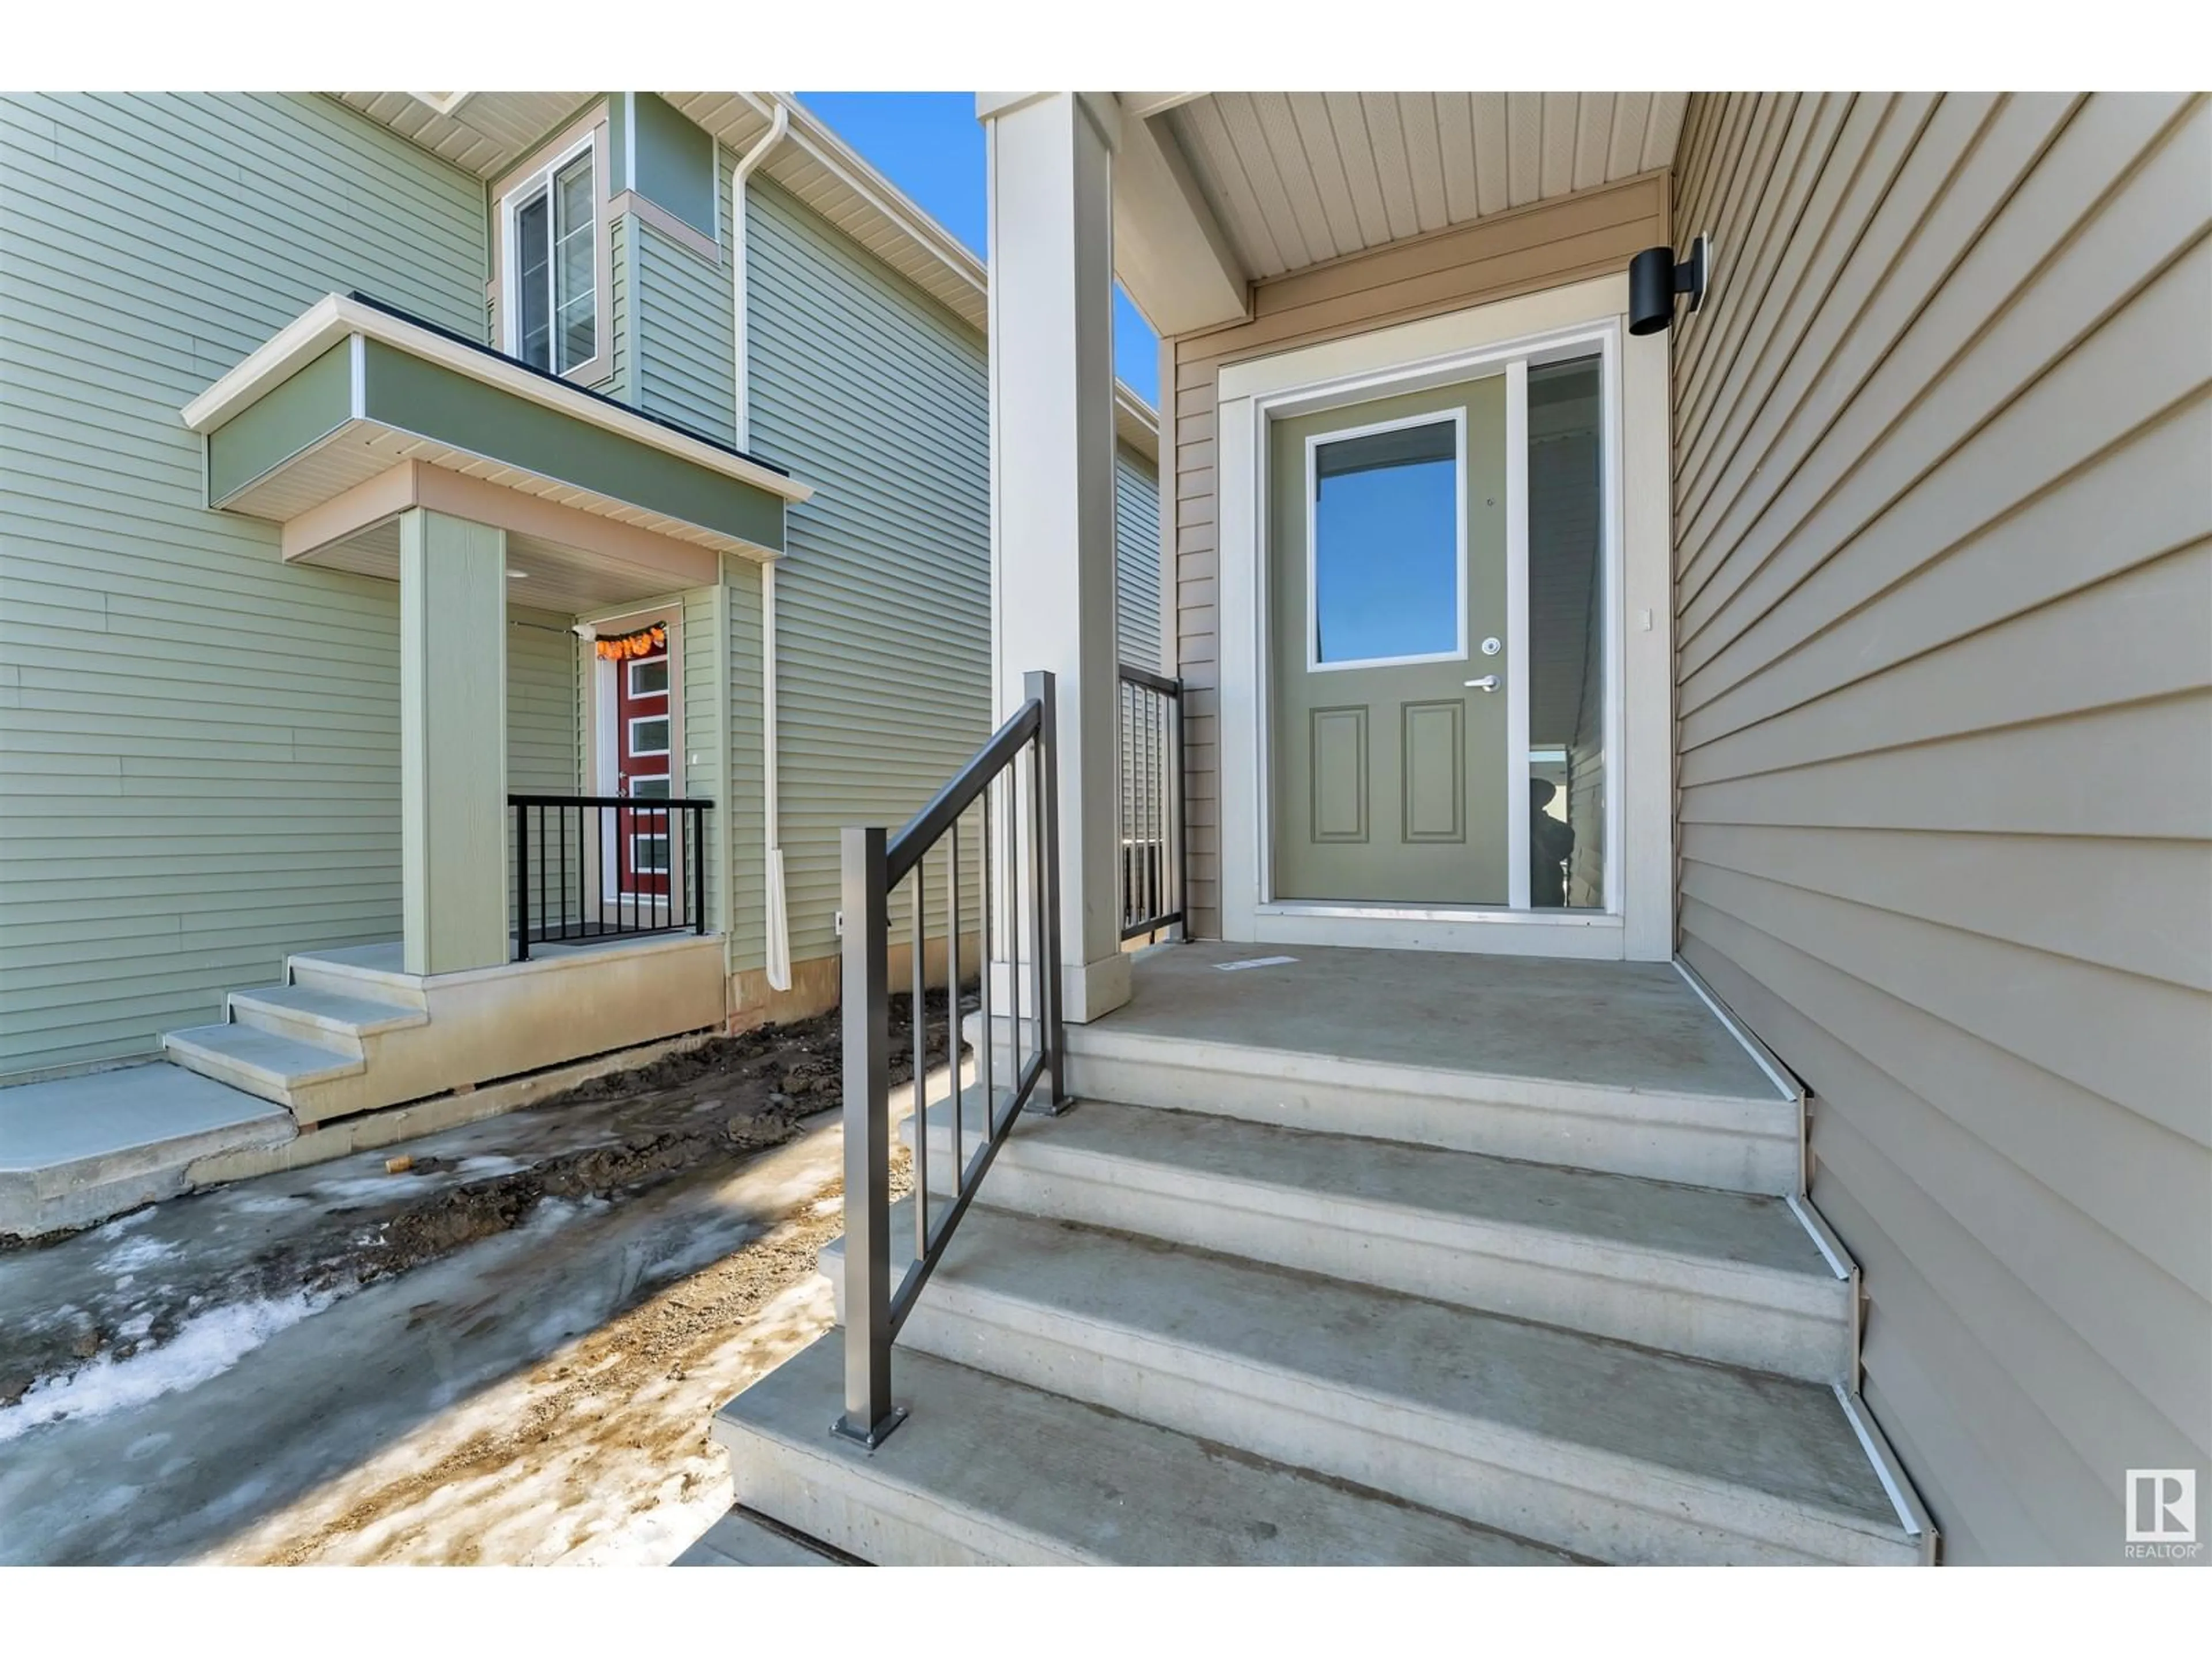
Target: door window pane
(648, 788)
(1567, 772)
(649, 678)
(1386, 553)
(648, 855)
(649, 736)
(533, 300)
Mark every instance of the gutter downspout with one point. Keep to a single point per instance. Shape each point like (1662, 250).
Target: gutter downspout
(778, 927)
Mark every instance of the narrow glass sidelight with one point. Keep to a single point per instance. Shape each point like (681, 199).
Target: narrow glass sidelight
(1568, 767)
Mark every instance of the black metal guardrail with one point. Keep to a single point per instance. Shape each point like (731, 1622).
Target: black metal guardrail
(1014, 779)
(1151, 870)
(590, 867)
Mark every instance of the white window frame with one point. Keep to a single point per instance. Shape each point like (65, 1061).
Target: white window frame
(629, 736)
(1456, 419)
(638, 838)
(629, 676)
(517, 187)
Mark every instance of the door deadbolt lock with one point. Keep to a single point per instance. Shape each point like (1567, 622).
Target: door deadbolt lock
(1491, 647)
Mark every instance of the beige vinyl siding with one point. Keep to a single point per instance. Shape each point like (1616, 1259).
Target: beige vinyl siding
(199, 744)
(1945, 706)
(875, 395)
(1137, 559)
(1589, 234)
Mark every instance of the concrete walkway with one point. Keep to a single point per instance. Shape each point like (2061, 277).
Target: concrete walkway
(79, 1149)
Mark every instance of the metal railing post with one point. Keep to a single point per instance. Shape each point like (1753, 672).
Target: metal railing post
(1039, 686)
(696, 826)
(869, 1413)
(521, 884)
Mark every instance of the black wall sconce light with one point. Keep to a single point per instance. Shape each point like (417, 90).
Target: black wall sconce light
(1654, 280)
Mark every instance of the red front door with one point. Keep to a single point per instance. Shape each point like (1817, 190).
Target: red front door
(644, 736)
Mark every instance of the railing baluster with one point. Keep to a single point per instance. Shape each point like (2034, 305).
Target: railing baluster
(952, 987)
(920, 1101)
(989, 1037)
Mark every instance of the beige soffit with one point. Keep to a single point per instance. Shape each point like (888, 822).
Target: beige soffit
(480, 132)
(334, 317)
(1295, 179)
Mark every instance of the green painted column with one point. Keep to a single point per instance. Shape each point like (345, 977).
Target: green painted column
(453, 741)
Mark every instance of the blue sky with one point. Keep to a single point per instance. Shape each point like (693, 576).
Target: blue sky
(931, 146)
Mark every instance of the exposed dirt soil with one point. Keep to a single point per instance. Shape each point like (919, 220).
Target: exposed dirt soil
(130, 1285)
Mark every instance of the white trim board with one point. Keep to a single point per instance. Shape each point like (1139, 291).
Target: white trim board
(1639, 923)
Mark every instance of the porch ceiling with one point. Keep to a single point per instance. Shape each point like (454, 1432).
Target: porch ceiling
(543, 575)
(1291, 179)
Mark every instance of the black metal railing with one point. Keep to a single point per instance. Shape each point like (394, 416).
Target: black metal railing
(1150, 871)
(600, 866)
(1014, 781)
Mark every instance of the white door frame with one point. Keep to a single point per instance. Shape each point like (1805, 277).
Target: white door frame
(601, 750)
(1639, 921)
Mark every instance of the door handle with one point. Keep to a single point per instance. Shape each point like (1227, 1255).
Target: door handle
(1487, 683)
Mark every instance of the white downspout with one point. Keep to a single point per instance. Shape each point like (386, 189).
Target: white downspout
(778, 920)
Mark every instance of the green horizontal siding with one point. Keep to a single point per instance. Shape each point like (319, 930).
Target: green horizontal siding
(877, 397)
(1136, 559)
(683, 334)
(199, 757)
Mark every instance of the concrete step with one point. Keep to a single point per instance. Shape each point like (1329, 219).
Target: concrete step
(366, 971)
(1746, 1143)
(990, 1471)
(739, 1539)
(1595, 1446)
(1721, 1276)
(311, 1014)
(260, 1062)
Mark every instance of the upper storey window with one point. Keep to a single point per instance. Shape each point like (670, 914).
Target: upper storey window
(552, 227)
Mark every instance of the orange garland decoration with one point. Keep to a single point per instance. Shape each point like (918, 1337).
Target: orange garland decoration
(646, 642)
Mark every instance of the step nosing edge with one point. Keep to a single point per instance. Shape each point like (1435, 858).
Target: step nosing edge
(1156, 1049)
(1457, 1220)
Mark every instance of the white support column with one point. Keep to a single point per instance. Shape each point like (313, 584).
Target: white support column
(453, 743)
(1052, 485)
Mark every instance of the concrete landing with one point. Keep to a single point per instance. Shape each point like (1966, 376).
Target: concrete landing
(987, 1471)
(78, 1150)
(1635, 1026)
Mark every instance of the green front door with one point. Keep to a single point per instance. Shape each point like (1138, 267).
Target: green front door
(1387, 543)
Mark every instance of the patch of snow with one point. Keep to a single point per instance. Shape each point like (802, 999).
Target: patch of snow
(267, 1204)
(134, 1253)
(202, 1348)
(378, 1186)
(489, 1165)
(115, 1229)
